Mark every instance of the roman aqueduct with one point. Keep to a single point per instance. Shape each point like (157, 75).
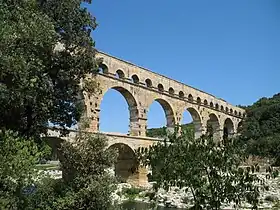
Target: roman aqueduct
(141, 87)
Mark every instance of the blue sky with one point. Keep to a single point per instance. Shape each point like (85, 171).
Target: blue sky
(230, 49)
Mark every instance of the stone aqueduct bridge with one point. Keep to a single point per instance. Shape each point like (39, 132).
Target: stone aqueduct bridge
(141, 87)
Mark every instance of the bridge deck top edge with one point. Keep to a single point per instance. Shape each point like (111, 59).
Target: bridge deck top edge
(146, 69)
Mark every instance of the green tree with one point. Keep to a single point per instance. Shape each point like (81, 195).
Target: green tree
(210, 170)
(86, 183)
(46, 49)
(17, 159)
(261, 127)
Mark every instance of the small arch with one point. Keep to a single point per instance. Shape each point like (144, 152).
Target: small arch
(126, 164)
(244, 114)
(216, 106)
(198, 100)
(103, 69)
(226, 109)
(222, 108)
(231, 111)
(181, 94)
(239, 114)
(190, 97)
(211, 104)
(120, 74)
(160, 87)
(205, 102)
(171, 91)
(235, 112)
(149, 83)
(135, 79)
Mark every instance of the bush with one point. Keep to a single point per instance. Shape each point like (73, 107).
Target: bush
(209, 169)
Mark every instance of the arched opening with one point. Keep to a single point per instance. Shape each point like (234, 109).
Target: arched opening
(198, 100)
(226, 109)
(239, 114)
(181, 94)
(160, 87)
(190, 97)
(149, 83)
(126, 165)
(160, 118)
(171, 91)
(135, 79)
(120, 74)
(213, 127)
(103, 69)
(231, 111)
(216, 106)
(239, 127)
(122, 115)
(191, 122)
(235, 112)
(205, 102)
(228, 130)
(222, 108)
(211, 104)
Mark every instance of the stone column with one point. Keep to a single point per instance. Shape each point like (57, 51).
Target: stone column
(138, 121)
(199, 129)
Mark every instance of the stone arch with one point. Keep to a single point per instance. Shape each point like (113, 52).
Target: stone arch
(160, 87)
(171, 91)
(126, 165)
(55, 144)
(190, 97)
(239, 126)
(181, 94)
(103, 68)
(216, 106)
(198, 100)
(132, 106)
(135, 79)
(226, 109)
(196, 121)
(231, 111)
(168, 110)
(120, 74)
(149, 83)
(211, 104)
(222, 108)
(239, 114)
(235, 112)
(228, 129)
(205, 102)
(213, 126)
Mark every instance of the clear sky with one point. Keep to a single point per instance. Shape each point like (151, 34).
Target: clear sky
(230, 49)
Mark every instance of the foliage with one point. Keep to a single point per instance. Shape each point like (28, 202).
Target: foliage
(17, 159)
(209, 169)
(85, 183)
(162, 132)
(132, 192)
(46, 49)
(261, 127)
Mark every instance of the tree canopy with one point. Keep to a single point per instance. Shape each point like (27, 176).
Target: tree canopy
(46, 49)
(261, 127)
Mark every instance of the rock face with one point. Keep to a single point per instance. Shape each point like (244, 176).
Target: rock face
(182, 198)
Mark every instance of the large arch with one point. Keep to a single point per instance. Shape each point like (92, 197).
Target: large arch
(168, 112)
(213, 126)
(126, 166)
(196, 121)
(228, 129)
(132, 107)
